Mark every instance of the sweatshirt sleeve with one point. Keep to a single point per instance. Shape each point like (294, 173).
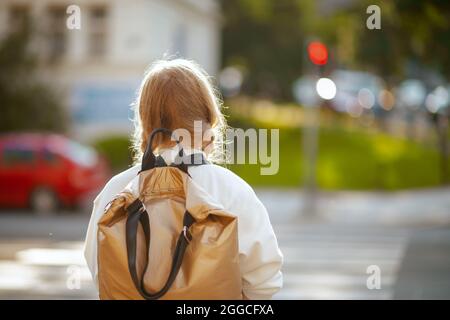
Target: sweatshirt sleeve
(260, 256)
(111, 189)
(90, 244)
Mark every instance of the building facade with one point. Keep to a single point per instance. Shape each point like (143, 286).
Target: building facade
(98, 67)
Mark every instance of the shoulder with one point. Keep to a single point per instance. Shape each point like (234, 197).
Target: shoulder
(117, 183)
(124, 176)
(223, 185)
(220, 175)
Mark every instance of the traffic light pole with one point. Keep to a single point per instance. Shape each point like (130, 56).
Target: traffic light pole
(318, 55)
(310, 150)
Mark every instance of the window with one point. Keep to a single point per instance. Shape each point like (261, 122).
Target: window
(57, 38)
(50, 157)
(19, 17)
(13, 157)
(98, 31)
(81, 155)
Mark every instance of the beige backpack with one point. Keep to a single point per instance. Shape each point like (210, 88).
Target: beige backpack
(163, 237)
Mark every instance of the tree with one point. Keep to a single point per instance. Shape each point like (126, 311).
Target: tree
(264, 38)
(25, 102)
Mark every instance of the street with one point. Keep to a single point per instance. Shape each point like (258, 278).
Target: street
(326, 256)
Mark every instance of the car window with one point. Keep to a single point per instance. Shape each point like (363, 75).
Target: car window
(82, 155)
(50, 157)
(11, 157)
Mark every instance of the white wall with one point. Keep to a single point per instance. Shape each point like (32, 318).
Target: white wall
(149, 30)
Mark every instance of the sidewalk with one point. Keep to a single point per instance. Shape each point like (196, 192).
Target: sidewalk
(425, 270)
(406, 234)
(419, 207)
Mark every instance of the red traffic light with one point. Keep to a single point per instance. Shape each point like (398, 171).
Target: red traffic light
(318, 53)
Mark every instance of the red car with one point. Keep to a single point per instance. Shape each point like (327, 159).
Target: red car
(48, 171)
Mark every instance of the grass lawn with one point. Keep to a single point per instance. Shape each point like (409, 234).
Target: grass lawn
(351, 160)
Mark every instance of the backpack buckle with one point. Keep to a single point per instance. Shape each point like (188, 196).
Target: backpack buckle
(186, 234)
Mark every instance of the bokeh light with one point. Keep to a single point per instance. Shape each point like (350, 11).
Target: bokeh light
(366, 98)
(386, 99)
(437, 100)
(326, 88)
(230, 80)
(411, 93)
(354, 109)
(318, 53)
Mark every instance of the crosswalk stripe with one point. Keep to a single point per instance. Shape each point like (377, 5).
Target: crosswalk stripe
(330, 262)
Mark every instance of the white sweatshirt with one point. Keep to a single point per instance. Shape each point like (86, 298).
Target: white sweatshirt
(259, 256)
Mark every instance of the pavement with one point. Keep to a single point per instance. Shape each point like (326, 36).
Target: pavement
(425, 269)
(329, 254)
(420, 207)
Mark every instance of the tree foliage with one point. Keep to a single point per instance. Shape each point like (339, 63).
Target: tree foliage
(26, 103)
(267, 39)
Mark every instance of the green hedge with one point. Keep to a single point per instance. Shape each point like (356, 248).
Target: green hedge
(351, 160)
(116, 150)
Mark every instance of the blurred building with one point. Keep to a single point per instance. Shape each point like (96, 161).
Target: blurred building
(99, 66)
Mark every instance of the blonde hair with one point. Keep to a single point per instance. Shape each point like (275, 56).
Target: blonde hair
(173, 95)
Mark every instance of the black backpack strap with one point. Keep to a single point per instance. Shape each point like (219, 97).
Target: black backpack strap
(194, 159)
(149, 158)
(160, 162)
(137, 213)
